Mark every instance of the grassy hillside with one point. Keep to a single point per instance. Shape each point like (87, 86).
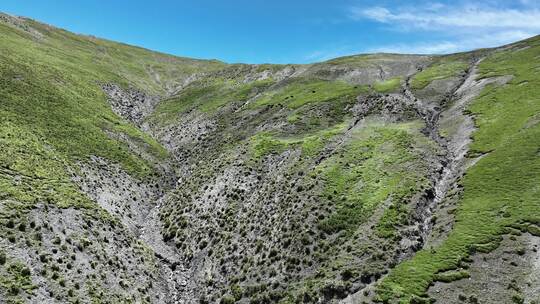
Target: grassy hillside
(55, 114)
(501, 190)
(253, 183)
(52, 84)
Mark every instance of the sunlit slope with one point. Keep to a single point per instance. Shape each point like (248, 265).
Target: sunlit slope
(130, 176)
(501, 190)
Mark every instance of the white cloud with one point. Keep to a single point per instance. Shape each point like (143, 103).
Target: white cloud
(418, 48)
(443, 17)
(458, 27)
(458, 45)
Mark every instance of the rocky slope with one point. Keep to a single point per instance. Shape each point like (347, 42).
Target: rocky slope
(133, 176)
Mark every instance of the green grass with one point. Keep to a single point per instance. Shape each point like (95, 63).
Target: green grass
(54, 111)
(265, 143)
(293, 117)
(380, 163)
(52, 87)
(303, 91)
(445, 68)
(348, 60)
(365, 60)
(40, 168)
(147, 70)
(16, 280)
(54, 114)
(451, 276)
(501, 190)
(390, 85)
(208, 97)
(373, 167)
(310, 143)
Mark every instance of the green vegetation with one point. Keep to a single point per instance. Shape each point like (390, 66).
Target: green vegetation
(501, 190)
(365, 60)
(306, 91)
(387, 86)
(54, 111)
(309, 228)
(208, 97)
(54, 114)
(53, 85)
(373, 167)
(269, 67)
(44, 178)
(348, 60)
(15, 279)
(126, 65)
(264, 143)
(442, 69)
(453, 275)
(312, 144)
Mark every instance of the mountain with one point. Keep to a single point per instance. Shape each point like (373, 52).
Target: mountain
(131, 176)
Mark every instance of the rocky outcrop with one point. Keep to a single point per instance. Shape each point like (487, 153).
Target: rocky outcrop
(19, 22)
(132, 104)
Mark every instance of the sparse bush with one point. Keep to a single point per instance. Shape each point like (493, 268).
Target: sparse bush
(518, 298)
(227, 299)
(14, 290)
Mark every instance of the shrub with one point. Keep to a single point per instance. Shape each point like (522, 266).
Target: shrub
(14, 290)
(517, 298)
(227, 299)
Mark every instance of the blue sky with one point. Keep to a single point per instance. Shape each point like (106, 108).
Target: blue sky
(292, 31)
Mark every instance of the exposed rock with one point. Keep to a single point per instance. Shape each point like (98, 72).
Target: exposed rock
(132, 104)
